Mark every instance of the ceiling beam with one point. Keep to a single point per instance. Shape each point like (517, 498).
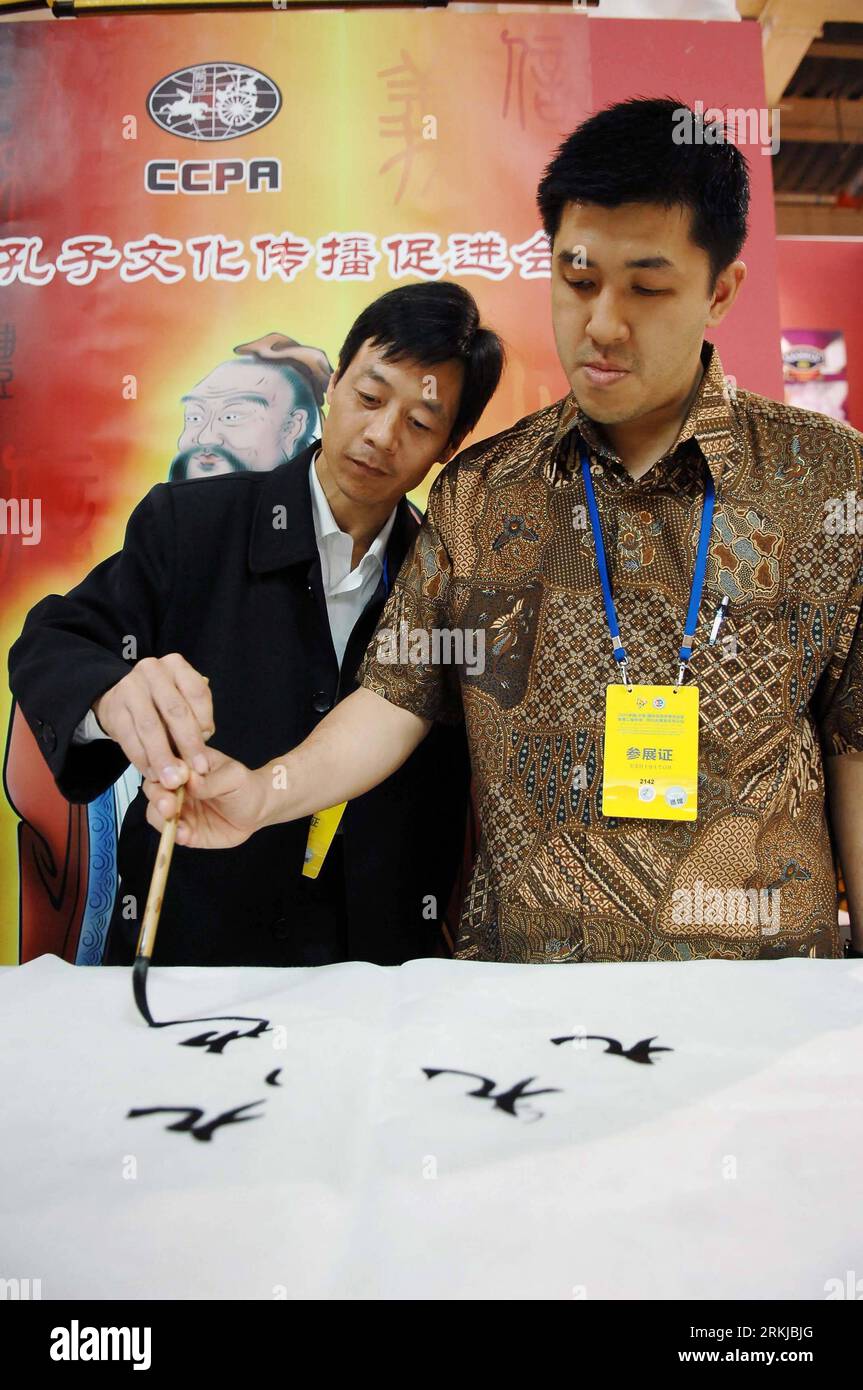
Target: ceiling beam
(828, 11)
(788, 28)
(821, 120)
(817, 220)
(852, 52)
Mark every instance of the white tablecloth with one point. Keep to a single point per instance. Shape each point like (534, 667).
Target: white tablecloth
(727, 1167)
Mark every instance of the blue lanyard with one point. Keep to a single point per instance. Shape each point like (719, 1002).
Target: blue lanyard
(386, 576)
(697, 580)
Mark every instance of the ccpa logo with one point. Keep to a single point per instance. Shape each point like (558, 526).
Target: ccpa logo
(214, 101)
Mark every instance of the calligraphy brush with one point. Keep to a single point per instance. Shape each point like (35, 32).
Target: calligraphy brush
(147, 937)
(150, 923)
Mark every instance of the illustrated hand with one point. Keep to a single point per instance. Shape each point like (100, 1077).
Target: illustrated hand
(221, 809)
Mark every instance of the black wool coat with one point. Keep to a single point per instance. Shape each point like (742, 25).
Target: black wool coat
(204, 572)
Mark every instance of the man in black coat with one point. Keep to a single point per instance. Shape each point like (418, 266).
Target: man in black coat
(237, 580)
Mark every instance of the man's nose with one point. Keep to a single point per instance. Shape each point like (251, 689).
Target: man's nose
(382, 429)
(606, 324)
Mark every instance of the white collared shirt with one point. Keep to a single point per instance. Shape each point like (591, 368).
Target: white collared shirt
(347, 591)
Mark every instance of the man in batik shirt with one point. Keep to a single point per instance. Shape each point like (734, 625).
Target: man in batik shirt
(646, 235)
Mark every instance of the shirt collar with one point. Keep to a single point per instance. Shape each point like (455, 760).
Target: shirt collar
(710, 420)
(326, 524)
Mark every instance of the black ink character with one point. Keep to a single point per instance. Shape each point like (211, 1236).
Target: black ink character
(214, 1041)
(191, 1125)
(506, 1101)
(271, 1079)
(639, 1052)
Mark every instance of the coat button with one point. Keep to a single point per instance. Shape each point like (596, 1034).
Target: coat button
(321, 701)
(48, 737)
(280, 929)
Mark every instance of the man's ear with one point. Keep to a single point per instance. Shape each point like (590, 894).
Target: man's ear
(328, 394)
(451, 450)
(727, 288)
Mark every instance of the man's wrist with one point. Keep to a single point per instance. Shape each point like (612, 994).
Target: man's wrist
(274, 798)
(94, 710)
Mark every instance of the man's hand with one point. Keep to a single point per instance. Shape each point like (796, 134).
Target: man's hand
(220, 810)
(162, 701)
(362, 741)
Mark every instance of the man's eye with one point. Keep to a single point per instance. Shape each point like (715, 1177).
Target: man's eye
(231, 417)
(367, 400)
(419, 424)
(580, 284)
(640, 289)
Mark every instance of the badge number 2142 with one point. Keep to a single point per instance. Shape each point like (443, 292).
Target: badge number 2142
(651, 752)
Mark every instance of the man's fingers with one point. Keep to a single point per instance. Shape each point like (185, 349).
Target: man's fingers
(196, 692)
(126, 735)
(162, 807)
(185, 835)
(177, 716)
(219, 781)
(150, 730)
(161, 798)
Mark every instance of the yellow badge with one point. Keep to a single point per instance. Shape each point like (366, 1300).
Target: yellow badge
(651, 752)
(321, 831)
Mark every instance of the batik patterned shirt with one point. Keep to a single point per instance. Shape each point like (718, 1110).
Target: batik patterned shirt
(507, 548)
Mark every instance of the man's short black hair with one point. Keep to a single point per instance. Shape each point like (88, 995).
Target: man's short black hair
(626, 154)
(430, 323)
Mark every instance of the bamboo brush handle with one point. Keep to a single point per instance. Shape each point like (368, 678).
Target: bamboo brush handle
(147, 937)
(147, 934)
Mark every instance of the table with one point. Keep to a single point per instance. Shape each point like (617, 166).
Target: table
(333, 1149)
